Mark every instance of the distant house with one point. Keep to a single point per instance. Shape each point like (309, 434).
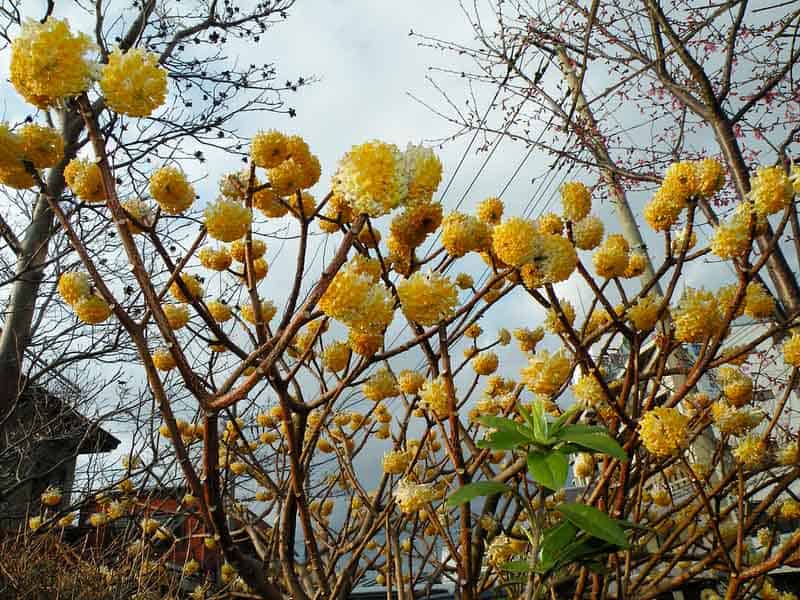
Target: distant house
(40, 441)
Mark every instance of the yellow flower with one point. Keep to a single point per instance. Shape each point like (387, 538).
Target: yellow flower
(305, 208)
(16, 177)
(163, 359)
(643, 314)
(51, 496)
(553, 322)
(514, 241)
(139, 210)
(758, 302)
(637, 263)
(663, 431)
(268, 311)
(171, 191)
(679, 239)
(576, 199)
(98, 519)
(770, 190)
(49, 63)
(300, 170)
(791, 350)
(433, 397)
(85, 180)
(598, 319)
(74, 286)
(410, 227)
(268, 149)
(11, 149)
(270, 204)
(588, 232)
(788, 454)
(589, 391)
(193, 286)
(490, 210)
(550, 223)
(737, 387)
(546, 373)
(364, 343)
(428, 298)
(528, 338)
(750, 452)
(34, 523)
(710, 177)
(133, 83)
(227, 220)
(190, 567)
(584, 465)
(372, 178)
(42, 146)
(485, 363)
(411, 497)
(500, 550)
(380, 385)
(92, 309)
(790, 509)
(732, 239)
(611, 258)
(336, 356)
(681, 181)
(424, 171)
(697, 316)
(216, 259)
(237, 248)
(474, 331)
(396, 462)
(410, 382)
(734, 421)
(66, 520)
(462, 234)
(177, 315)
(554, 259)
(354, 299)
(663, 210)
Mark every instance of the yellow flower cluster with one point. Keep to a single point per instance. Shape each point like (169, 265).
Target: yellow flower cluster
(791, 350)
(193, 286)
(427, 298)
(237, 248)
(396, 461)
(410, 382)
(300, 169)
(546, 373)
(462, 234)
(485, 363)
(663, 431)
(92, 309)
(85, 180)
(357, 301)
(380, 385)
(758, 302)
(41, 146)
(576, 200)
(514, 241)
(433, 397)
(733, 421)
(710, 177)
(500, 550)
(770, 190)
(227, 220)
(216, 259)
(133, 82)
(584, 465)
(732, 239)
(171, 191)
(637, 263)
(411, 226)
(679, 240)
(528, 338)
(74, 286)
(750, 452)
(51, 496)
(372, 178)
(554, 259)
(267, 308)
(219, 311)
(141, 211)
(588, 232)
(49, 63)
(697, 316)
(412, 497)
(268, 149)
(643, 314)
(611, 258)
(737, 387)
(550, 223)
(588, 390)
(364, 343)
(336, 356)
(490, 210)
(177, 315)
(163, 359)
(424, 172)
(553, 322)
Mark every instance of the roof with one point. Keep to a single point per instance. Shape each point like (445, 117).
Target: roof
(57, 419)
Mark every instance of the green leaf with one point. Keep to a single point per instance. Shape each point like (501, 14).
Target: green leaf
(539, 422)
(474, 490)
(517, 566)
(597, 441)
(555, 539)
(581, 428)
(503, 440)
(548, 469)
(556, 425)
(594, 522)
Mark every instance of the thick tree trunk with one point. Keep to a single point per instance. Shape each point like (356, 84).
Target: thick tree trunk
(16, 334)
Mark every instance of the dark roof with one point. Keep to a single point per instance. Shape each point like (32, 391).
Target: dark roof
(64, 421)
